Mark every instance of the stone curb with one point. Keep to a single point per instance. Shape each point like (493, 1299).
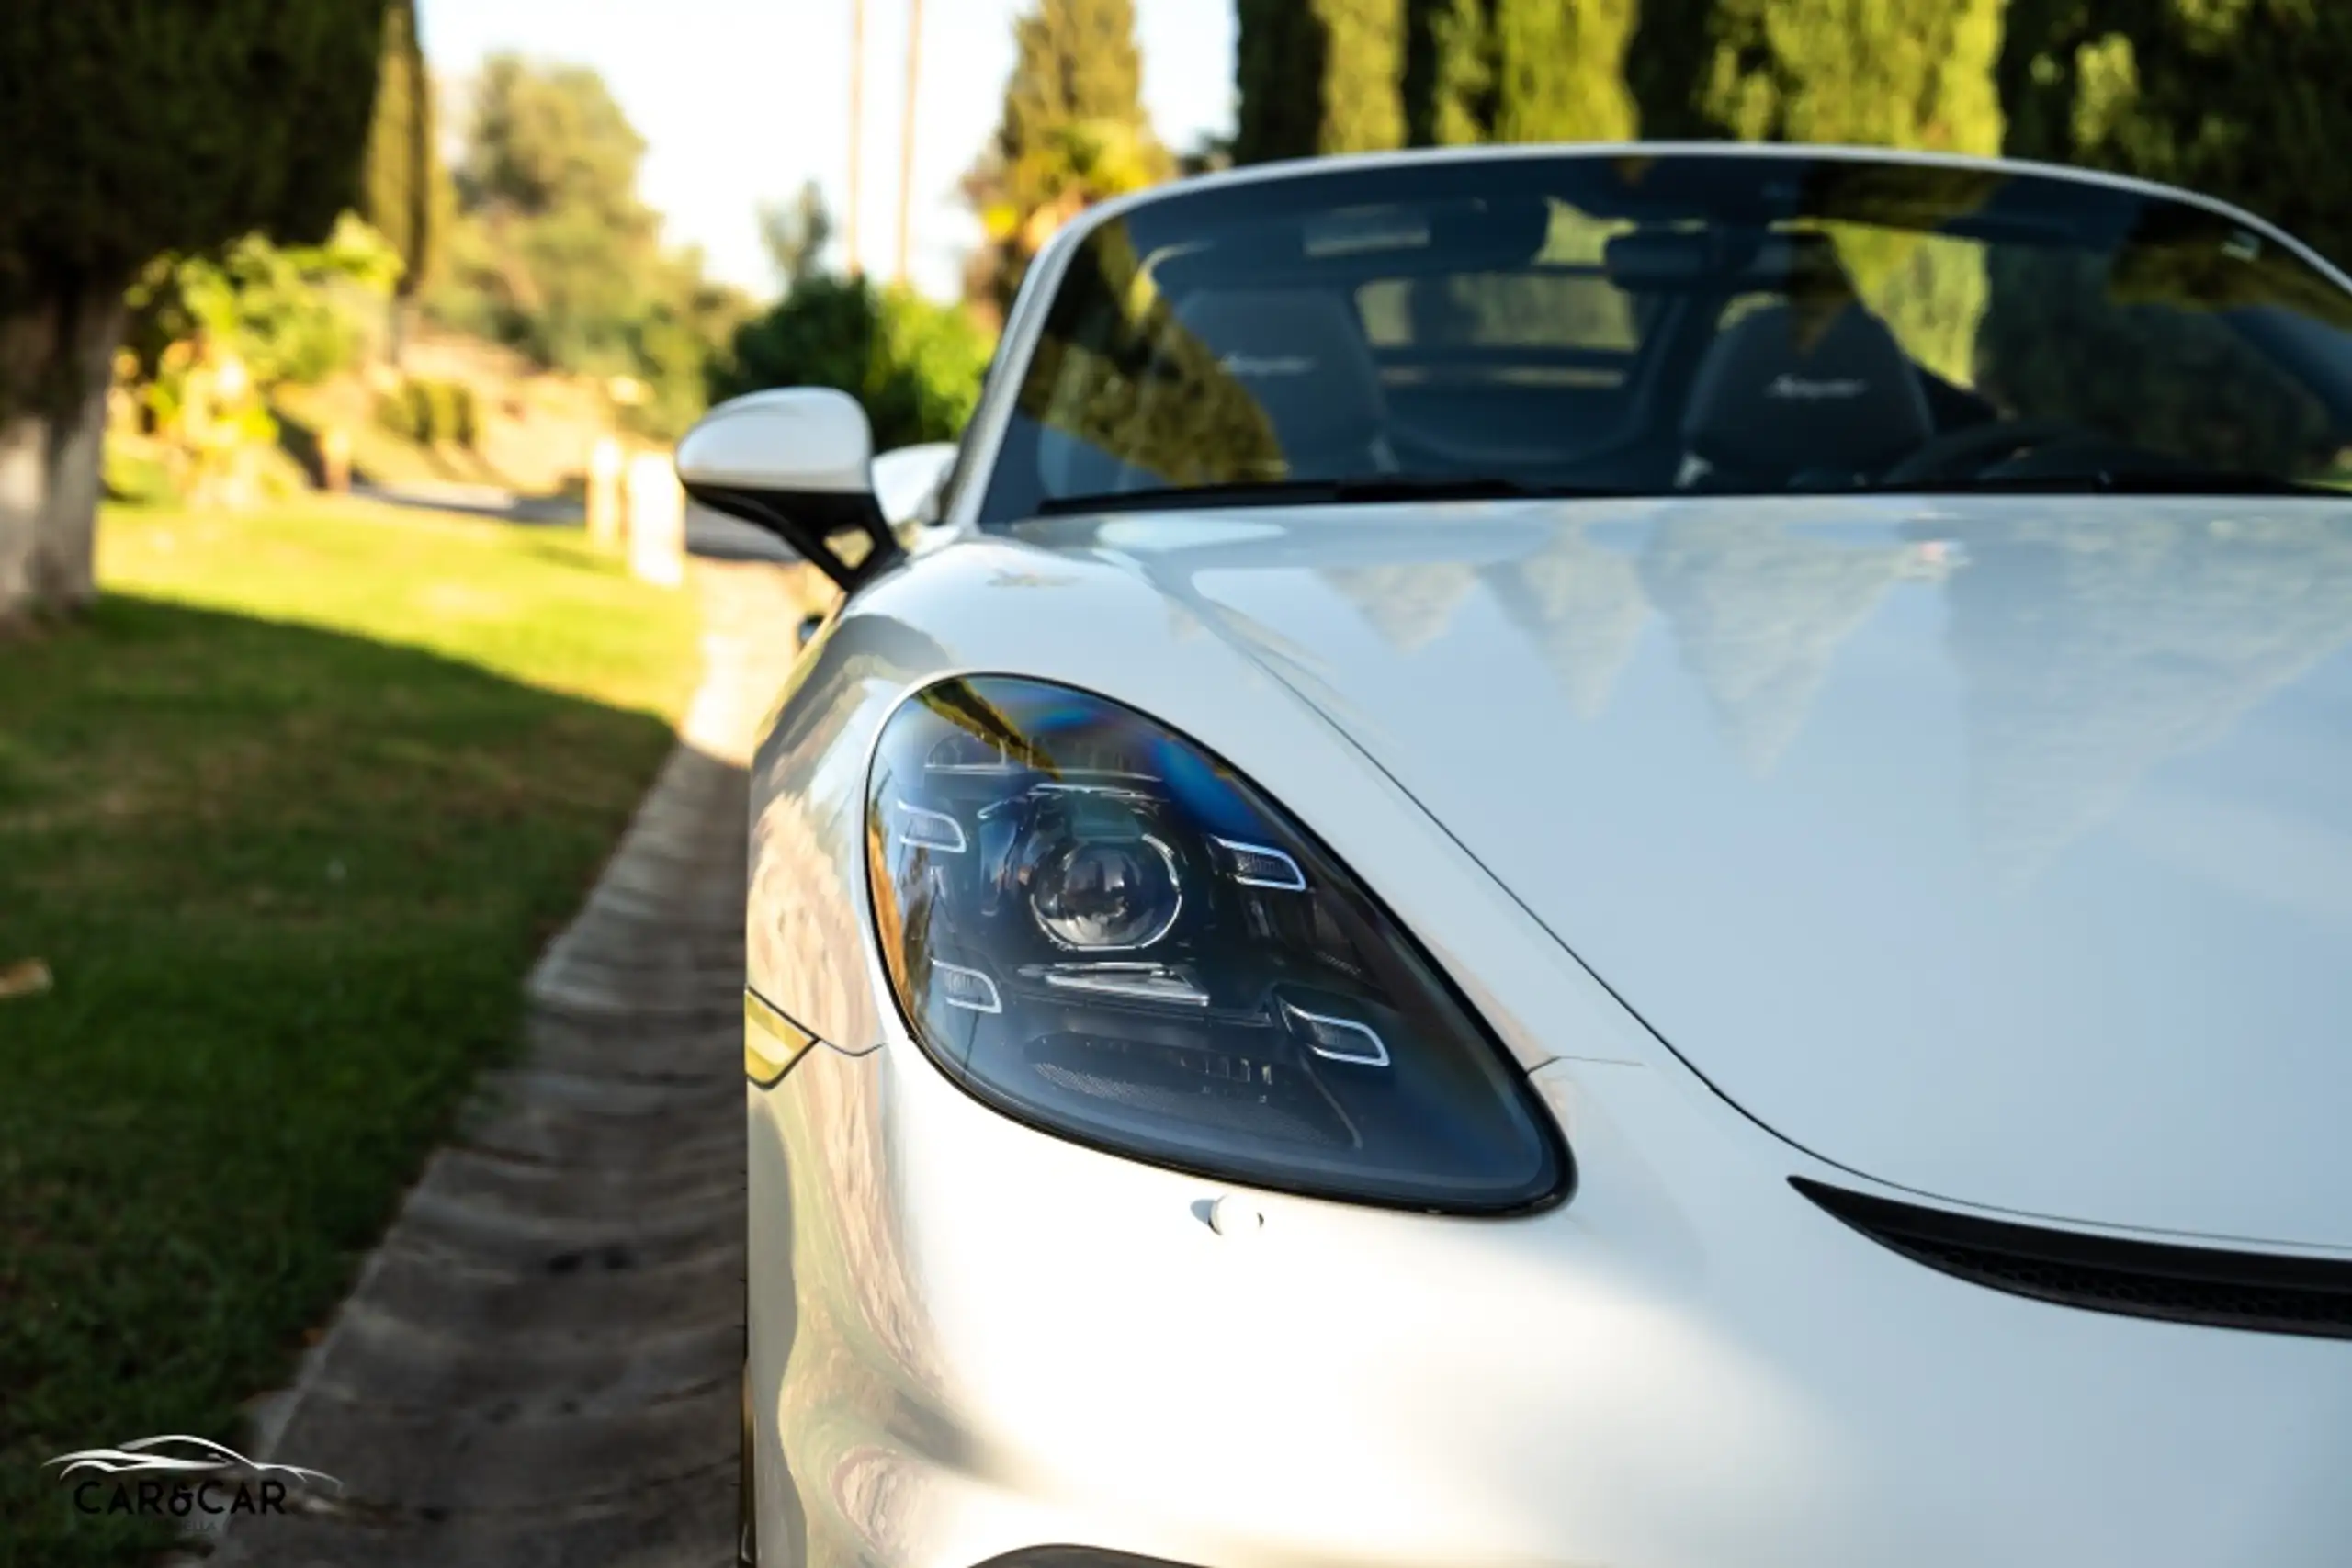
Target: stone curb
(537, 1365)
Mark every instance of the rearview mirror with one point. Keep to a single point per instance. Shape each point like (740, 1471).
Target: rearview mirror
(798, 462)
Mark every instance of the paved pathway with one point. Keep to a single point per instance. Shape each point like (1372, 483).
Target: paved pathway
(708, 534)
(539, 1365)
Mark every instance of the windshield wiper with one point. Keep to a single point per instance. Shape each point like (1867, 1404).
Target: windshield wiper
(2117, 482)
(1359, 490)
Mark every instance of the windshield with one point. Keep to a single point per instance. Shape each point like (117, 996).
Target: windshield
(1670, 323)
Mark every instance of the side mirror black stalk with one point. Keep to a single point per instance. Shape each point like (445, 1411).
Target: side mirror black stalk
(827, 528)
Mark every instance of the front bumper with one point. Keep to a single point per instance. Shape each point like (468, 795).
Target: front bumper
(971, 1339)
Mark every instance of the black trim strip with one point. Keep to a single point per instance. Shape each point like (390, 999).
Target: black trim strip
(1074, 1557)
(772, 1042)
(2262, 1292)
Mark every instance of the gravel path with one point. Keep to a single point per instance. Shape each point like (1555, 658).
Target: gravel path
(539, 1364)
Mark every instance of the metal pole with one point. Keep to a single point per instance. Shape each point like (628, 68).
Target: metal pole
(907, 132)
(857, 128)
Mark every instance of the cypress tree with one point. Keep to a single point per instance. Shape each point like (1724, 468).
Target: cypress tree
(1449, 73)
(1907, 73)
(1318, 76)
(2239, 100)
(1518, 71)
(1073, 132)
(406, 196)
(1560, 70)
(136, 127)
(2221, 98)
(1077, 59)
(1890, 73)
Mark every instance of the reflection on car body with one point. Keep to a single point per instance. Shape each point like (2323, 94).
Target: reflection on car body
(1629, 856)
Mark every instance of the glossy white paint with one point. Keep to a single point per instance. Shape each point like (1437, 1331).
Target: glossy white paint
(811, 440)
(1993, 851)
(1001, 1340)
(995, 604)
(1997, 849)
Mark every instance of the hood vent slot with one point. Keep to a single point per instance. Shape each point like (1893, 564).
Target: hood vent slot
(2225, 1288)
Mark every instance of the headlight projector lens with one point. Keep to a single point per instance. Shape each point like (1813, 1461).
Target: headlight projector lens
(1103, 929)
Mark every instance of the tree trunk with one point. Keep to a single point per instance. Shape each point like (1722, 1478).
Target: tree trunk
(27, 350)
(57, 362)
(65, 567)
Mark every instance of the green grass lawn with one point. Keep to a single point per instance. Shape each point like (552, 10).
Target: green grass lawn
(288, 816)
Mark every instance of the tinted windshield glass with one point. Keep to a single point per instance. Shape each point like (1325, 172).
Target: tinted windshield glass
(1679, 323)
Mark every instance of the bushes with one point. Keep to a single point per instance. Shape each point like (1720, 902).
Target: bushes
(298, 313)
(430, 412)
(916, 366)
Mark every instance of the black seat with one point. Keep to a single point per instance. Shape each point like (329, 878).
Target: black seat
(1769, 408)
(1301, 357)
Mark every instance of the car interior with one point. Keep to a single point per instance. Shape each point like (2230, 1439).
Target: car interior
(1654, 352)
(1727, 387)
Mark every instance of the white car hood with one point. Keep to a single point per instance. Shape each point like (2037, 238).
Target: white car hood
(1997, 848)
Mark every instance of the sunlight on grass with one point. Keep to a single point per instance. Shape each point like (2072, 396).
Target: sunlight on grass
(534, 605)
(286, 819)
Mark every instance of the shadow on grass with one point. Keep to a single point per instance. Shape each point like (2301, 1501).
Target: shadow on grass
(290, 884)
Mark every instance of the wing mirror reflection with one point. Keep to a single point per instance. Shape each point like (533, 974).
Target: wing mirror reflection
(909, 482)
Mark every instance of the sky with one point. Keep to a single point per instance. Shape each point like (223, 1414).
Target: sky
(741, 101)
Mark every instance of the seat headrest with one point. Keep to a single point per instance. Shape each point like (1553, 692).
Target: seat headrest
(1765, 403)
(1301, 357)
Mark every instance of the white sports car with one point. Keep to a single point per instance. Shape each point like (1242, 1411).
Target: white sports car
(1632, 856)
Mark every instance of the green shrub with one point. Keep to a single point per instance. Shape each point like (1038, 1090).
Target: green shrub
(929, 358)
(915, 365)
(465, 415)
(419, 395)
(441, 405)
(392, 414)
(428, 412)
(296, 314)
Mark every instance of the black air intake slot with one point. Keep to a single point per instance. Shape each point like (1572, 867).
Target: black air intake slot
(2224, 1289)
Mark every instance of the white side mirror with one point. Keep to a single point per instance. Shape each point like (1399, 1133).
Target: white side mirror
(906, 482)
(797, 462)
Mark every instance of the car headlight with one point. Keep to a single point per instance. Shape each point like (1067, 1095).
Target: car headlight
(1101, 930)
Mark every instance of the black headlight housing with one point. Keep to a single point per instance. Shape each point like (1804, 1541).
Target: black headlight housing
(1101, 929)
